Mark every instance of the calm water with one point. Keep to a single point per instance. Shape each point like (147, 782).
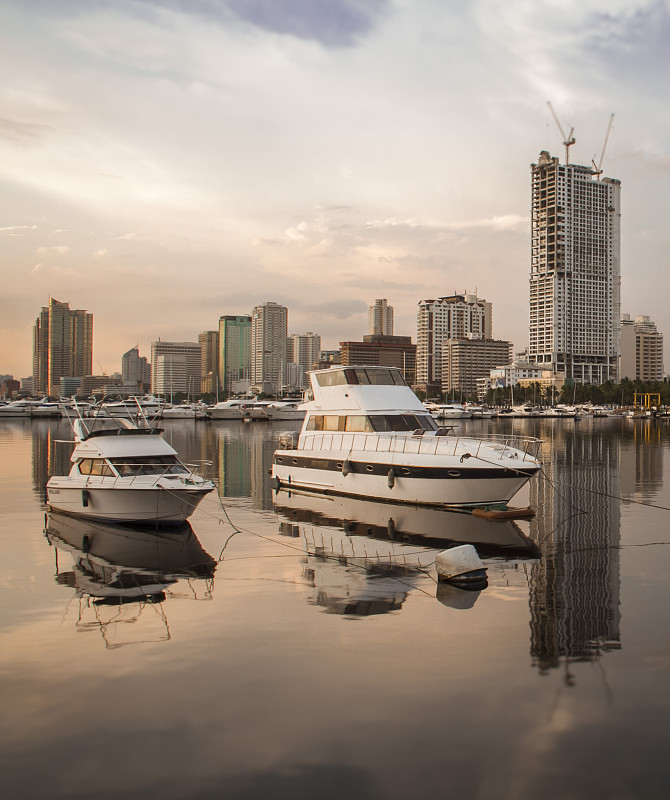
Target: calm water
(272, 650)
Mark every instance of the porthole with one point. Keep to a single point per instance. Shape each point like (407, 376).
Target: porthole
(279, 460)
(294, 460)
(452, 473)
(369, 468)
(406, 471)
(339, 465)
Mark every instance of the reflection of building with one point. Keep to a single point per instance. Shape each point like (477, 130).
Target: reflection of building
(575, 271)
(574, 589)
(51, 455)
(62, 346)
(641, 461)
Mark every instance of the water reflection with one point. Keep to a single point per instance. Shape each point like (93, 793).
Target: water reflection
(365, 556)
(575, 586)
(120, 574)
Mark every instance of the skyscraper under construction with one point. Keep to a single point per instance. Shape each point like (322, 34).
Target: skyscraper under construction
(575, 271)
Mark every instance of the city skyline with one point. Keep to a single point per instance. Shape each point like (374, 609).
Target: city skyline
(162, 161)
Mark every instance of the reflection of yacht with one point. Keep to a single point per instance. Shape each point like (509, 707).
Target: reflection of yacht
(364, 557)
(416, 525)
(366, 434)
(127, 569)
(125, 473)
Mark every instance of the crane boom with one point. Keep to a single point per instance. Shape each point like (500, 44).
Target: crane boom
(568, 140)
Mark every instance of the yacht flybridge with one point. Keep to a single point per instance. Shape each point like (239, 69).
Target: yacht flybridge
(125, 473)
(366, 434)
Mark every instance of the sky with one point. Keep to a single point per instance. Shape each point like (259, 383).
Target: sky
(164, 162)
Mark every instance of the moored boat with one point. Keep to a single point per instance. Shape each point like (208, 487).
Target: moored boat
(125, 473)
(366, 434)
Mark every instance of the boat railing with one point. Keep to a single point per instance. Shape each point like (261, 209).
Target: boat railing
(495, 446)
(187, 473)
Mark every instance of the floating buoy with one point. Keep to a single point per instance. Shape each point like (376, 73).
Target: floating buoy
(346, 467)
(460, 565)
(391, 479)
(84, 498)
(276, 483)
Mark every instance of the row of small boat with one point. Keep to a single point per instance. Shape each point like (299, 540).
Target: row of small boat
(154, 409)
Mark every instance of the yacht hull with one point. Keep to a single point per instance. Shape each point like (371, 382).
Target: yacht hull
(370, 475)
(156, 504)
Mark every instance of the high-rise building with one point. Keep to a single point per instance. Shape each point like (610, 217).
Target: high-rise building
(234, 354)
(387, 351)
(641, 349)
(303, 349)
(62, 346)
(575, 271)
(209, 363)
(175, 367)
(380, 319)
(135, 372)
(269, 324)
(464, 361)
(459, 316)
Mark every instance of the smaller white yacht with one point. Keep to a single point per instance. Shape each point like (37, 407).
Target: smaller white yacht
(125, 473)
(237, 408)
(444, 411)
(185, 411)
(284, 410)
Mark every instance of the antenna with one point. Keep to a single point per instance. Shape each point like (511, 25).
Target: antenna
(598, 170)
(568, 140)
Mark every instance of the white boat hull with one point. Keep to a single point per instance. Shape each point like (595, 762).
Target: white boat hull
(153, 504)
(400, 478)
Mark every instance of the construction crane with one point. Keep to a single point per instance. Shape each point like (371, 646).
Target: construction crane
(568, 140)
(598, 170)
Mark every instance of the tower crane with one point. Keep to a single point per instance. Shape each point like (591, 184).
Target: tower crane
(568, 140)
(598, 169)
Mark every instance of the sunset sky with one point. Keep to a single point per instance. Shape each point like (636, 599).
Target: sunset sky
(164, 162)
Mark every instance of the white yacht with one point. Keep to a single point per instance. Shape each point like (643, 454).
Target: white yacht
(237, 408)
(284, 410)
(185, 411)
(147, 406)
(449, 411)
(124, 473)
(366, 434)
(19, 408)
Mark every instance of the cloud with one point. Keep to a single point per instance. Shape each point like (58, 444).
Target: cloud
(101, 253)
(17, 230)
(61, 249)
(21, 133)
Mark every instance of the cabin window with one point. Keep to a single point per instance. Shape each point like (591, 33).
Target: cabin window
(95, 466)
(148, 465)
(401, 422)
(334, 377)
(357, 424)
(331, 422)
